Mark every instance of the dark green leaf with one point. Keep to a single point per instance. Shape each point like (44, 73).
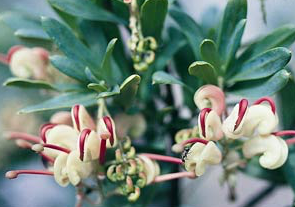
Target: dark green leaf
(210, 54)
(259, 88)
(27, 83)
(161, 77)
(98, 87)
(106, 67)
(85, 9)
(281, 37)
(190, 28)
(66, 100)
(69, 67)
(112, 92)
(24, 25)
(128, 91)
(263, 65)
(69, 44)
(233, 44)
(204, 71)
(235, 11)
(153, 13)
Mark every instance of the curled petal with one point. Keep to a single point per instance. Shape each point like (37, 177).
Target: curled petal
(81, 119)
(200, 155)
(274, 150)
(60, 171)
(210, 127)
(151, 168)
(260, 119)
(76, 169)
(210, 96)
(63, 136)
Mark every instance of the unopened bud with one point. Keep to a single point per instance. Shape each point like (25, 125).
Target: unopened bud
(131, 153)
(118, 155)
(119, 173)
(132, 167)
(134, 196)
(141, 182)
(129, 184)
(111, 173)
(149, 57)
(143, 66)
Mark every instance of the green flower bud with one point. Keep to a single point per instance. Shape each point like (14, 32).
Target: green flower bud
(118, 155)
(141, 182)
(141, 46)
(111, 173)
(139, 165)
(143, 66)
(134, 196)
(152, 43)
(149, 57)
(127, 144)
(132, 167)
(129, 184)
(119, 173)
(131, 153)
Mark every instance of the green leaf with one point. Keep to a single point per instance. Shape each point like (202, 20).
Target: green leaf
(235, 11)
(281, 37)
(152, 16)
(210, 54)
(233, 44)
(112, 92)
(204, 71)
(190, 29)
(69, 67)
(169, 50)
(263, 65)
(128, 91)
(24, 25)
(259, 88)
(98, 87)
(161, 77)
(27, 83)
(66, 100)
(66, 41)
(85, 9)
(106, 67)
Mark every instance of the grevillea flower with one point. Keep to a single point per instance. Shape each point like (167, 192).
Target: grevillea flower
(150, 167)
(210, 96)
(210, 125)
(28, 62)
(200, 156)
(72, 150)
(273, 150)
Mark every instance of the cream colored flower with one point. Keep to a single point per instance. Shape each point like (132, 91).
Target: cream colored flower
(151, 168)
(29, 63)
(273, 150)
(210, 127)
(68, 168)
(229, 124)
(201, 155)
(81, 119)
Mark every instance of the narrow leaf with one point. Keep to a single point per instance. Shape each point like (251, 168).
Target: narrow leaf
(161, 77)
(153, 14)
(259, 88)
(281, 37)
(69, 67)
(98, 87)
(235, 11)
(112, 92)
(85, 9)
(27, 83)
(190, 29)
(263, 65)
(66, 100)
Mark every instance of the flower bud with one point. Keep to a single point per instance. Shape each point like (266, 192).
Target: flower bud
(142, 66)
(29, 63)
(186, 134)
(131, 167)
(142, 179)
(118, 155)
(134, 196)
(61, 117)
(119, 173)
(111, 173)
(131, 153)
(210, 96)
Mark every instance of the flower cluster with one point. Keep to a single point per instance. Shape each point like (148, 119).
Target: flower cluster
(253, 125)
